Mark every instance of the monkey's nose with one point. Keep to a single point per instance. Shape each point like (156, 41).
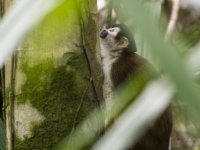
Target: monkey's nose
(103, 34)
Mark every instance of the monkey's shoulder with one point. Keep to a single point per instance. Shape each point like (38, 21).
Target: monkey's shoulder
(130, 65)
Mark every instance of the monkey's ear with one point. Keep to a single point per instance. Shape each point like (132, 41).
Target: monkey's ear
(123, 42)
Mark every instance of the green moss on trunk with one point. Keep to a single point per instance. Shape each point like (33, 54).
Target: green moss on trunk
(53, 79)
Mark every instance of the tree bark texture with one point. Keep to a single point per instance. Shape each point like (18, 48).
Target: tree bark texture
(53, 80)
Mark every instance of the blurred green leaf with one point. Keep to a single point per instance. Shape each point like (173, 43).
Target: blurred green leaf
(17, 23)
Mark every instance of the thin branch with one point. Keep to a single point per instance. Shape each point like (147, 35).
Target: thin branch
(173, 18)
(97, 101)
(3, 109)
(3, 93)
(78, 109)
(86, 51)
(12, 100)
(83, 46)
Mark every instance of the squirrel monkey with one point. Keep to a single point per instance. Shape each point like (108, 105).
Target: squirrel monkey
(120, 62)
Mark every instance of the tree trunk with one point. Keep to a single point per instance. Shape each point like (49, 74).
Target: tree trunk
(53, 81)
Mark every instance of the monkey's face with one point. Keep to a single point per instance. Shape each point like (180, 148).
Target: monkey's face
(111, 39)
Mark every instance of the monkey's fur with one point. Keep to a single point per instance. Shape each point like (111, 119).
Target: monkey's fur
(120, 62)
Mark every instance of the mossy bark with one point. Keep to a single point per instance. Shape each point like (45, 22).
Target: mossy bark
(53, 81)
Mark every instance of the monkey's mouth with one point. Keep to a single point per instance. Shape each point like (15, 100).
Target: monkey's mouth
(103, 34)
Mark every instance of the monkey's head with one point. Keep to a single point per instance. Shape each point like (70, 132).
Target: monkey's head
(117, 38)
